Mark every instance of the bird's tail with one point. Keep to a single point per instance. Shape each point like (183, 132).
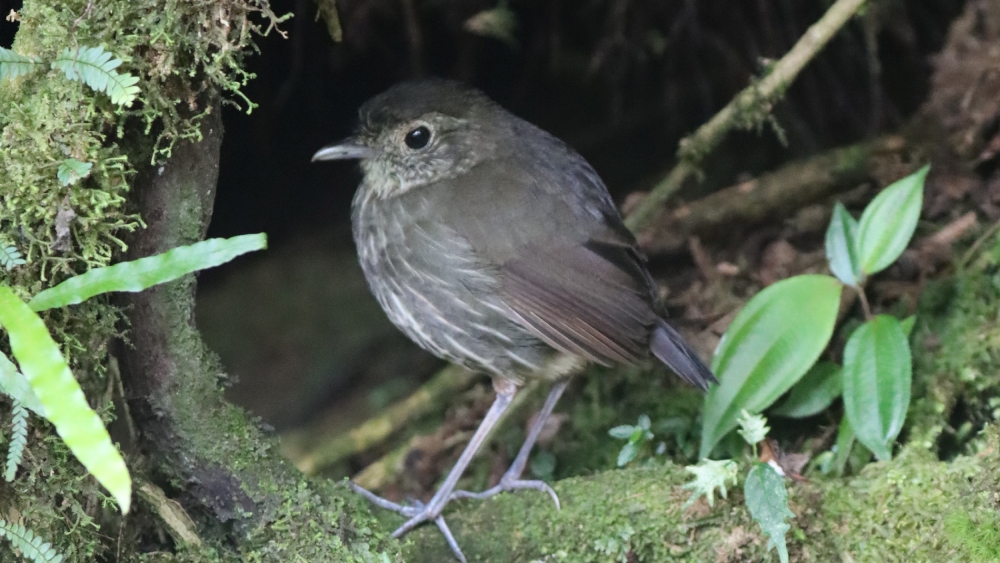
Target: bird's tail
(669, 346)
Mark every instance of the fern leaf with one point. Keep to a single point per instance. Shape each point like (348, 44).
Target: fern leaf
(13, 65)
(18, 439)
(9, 256)
(71, 170)
(96, 68)
(30, 545)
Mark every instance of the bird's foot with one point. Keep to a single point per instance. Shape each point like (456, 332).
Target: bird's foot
(510, 483)
(418, 513)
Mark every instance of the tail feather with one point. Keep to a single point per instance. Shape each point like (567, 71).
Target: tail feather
(669, 346)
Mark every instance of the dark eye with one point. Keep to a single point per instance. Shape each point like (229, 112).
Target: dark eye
(418, 138)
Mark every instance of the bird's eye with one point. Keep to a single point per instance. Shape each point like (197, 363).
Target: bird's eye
(418, 138)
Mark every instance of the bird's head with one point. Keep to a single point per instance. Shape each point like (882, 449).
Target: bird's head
(417, 133)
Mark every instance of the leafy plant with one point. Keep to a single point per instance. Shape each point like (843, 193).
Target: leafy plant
(30, 545)
(9, 256)
(710, 474)
(18, 439)
(43, 367)
(763, 490)
(634, 436)
(93, 66)
(13, 65)
(774, 342)
(71, 170)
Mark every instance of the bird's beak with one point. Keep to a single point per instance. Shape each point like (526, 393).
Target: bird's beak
(348, 149)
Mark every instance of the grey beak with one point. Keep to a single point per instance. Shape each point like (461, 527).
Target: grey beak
(347, 149)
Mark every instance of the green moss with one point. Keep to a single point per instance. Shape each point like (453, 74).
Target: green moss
(892, 511)
(957, 356)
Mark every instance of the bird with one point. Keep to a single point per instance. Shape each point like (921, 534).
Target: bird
(494, 245)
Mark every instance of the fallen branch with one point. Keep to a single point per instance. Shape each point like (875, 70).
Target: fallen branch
(758, 98)
(431, 396)
(777, 193)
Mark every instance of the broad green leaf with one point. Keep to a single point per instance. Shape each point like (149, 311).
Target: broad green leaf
(767, 501)
(97, 68)
(888, 222)
(628, 453)
(72, 170)
(709, 475)
(16, 386)
(817, 389)
(753, 427)
(622, 432)
(13, 65)
(140, 274)
(66, 406)
(770, 344)
(841, 246)
(877, 378)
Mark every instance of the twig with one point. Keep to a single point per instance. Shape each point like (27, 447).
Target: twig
(328, 11)
(758, 97)
(374, 431)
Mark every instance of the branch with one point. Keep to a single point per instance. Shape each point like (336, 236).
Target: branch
(429, 397)
(758, 97)
(777, 193)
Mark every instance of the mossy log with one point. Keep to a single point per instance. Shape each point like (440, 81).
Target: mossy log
(912, 508)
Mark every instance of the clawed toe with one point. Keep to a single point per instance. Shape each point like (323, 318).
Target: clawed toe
(510, 485)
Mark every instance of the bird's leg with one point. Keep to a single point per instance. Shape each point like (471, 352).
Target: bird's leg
(432, 510)
(511, 480)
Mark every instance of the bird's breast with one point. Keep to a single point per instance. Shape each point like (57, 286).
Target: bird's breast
(433, 287)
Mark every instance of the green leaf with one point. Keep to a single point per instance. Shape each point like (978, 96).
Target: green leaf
(18, 439)
(643, 422)
(628, 453)
(907, 325)
(30, 545)
(888, 222)
(753, 427)
(16, 386)
(877, 379)
(819, 387)
(841, 246)
(96, 68)
(49, 375)
(770, 344)
(13, 65)
(623, 432)
(138, 275)
(72, 170)
(842, 448)
(767, 501)
(9, 256)
(709, 475)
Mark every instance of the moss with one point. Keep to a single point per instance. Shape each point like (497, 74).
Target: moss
(956, 349)
(892, 511)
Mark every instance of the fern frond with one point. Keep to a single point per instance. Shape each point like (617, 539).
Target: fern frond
(18, 439)
(9, 256)
(13, 65)
(96, 68)
(30, 545)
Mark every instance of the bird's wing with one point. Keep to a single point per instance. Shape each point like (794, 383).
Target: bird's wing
(567, 266)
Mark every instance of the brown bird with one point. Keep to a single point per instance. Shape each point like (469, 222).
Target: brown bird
(494, 245)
